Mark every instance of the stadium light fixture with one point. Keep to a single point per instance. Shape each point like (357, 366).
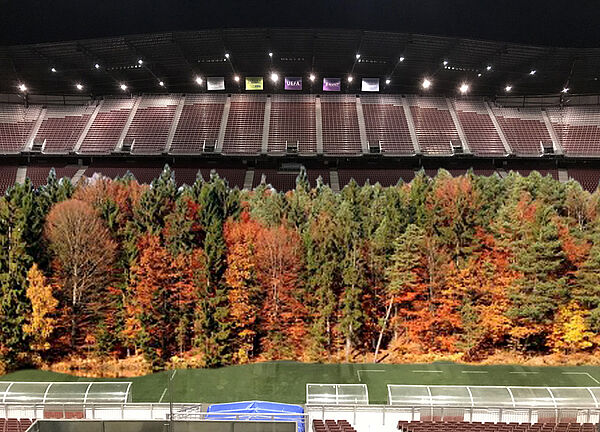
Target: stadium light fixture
(357, 56)
(53, 69)
(426, 83)
(508, 88)
(123, 87)
(388, 81)
(565, 90)
(274, 77)
(236, 78)
(312, 77)
(350, 78)
(488, 68)
(227, 55)
(532, 72)
(97, 65)
(464, 88)
(161, 83)
(271, 54)
(401, 58)
(479, 74)
(445, 63)
(22, 87)
(79, 86)
(199, 80)
(140, 62)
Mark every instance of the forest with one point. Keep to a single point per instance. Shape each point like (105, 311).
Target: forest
(467, 265)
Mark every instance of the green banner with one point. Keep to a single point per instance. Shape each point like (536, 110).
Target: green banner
(254, 83)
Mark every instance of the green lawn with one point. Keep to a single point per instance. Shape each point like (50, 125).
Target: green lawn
(286, 381)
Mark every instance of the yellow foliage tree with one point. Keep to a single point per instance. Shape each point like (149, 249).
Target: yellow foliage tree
(41, 323)
(570, 332)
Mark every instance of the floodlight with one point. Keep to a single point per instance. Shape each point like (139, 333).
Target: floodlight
(161, 83)
(199, 80)
(357, 56)
(226, 55)
(274, 77)
(23, 87)
(401, 58)
(532, 72)
(445, 62)
(565, 90)
(464, 88)
(123, 87)
(479, 74)
(97, 66)
(270, 54)
(388, 81)
(508, 88)
(140, 62)
(350, 78)
(489, 67)
(53, 70)
(312, 77)
(79, 86)
(236, 78)
(426, 83)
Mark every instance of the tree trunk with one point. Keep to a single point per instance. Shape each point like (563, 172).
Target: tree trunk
(385, 320)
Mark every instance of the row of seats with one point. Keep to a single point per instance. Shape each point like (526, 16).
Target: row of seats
(432, 426)
(195, 120)
(15, 425)
(332, 426)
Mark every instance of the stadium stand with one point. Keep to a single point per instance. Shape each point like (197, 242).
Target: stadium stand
(103, 135)
(524, 129)
(433, 125)
(293, 121)
(245, 125)
(150, 127)
(385, 177)
(16, 123)
(15, 425)
(588, 178)
(482, 137)
(8, 175)
(199, 122)
(432, 426)
(341, 135)
(62, 126)
(386, 124)
(38, 174)
(578, 129)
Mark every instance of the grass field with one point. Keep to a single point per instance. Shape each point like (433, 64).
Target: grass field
(286, 381)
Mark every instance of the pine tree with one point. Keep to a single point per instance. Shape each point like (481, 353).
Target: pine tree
(587, 283)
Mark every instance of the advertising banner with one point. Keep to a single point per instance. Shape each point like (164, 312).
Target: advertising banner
(293, 83)
(254, 83)
(332, 84)
(215, 83)
(370, 84)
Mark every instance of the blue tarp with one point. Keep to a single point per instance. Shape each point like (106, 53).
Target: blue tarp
(257, 410)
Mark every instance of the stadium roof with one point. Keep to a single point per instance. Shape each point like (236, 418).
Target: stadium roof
(177, 58)
(65, 392)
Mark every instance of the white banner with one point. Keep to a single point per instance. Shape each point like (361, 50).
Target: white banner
(370, 84)
(215, 83)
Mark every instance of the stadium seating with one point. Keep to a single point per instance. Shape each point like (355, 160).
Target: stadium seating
(16, 123)
(385, 177)
(62, 127)
(524, 129)
(15, 425)
(433, 125)
(8, 174)
(38, 174)
(386, 124)
(578, 129)
(587, 178)
(293, 120)
(432, 426)
(245, 125)
(151, 124)
(341, 135)
(103, 135)
(332, 426)
(481, 135)
(199, 122)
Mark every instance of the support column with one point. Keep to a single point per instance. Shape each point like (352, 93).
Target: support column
(223, 127)
(499, 130)
(87, 127)
(411, 126)
(266, 126)
(21, 174)
(319, 125)
(174, 124)
(362, 129)
(457, 125)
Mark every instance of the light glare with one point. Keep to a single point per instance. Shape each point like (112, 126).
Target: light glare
(312, 77)
(565, 90)
(274, 77)
(140, 62)
(388, 81)
(426, 84)
(401, 58)
(97, 66)
(123, 87)
(53, 70)
(532, 72)
(464, 88)
(79, 86)
(198, 80)
(23, 87)
(236, 78)
(161, 83)
(350, 79)
(508, 88)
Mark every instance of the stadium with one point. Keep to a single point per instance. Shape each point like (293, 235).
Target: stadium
(285, 222)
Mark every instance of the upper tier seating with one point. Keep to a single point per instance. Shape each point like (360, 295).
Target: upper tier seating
(482, 137)
(578, 129)
(524, 129)
(151, 124)
(385, 122)
(429, 426)
(15, 425)
(245, 124)
(293, 120)
(62, 126)
(16, 123)
(199, 122)
(341, 135)
(103, 135)
(433, 125)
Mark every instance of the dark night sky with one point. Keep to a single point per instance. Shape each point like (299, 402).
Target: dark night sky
(550, 22)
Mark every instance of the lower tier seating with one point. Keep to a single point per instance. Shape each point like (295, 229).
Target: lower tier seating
(430, 426)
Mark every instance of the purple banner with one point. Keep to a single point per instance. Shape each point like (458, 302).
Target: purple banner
(332, 84)
(293, 83)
